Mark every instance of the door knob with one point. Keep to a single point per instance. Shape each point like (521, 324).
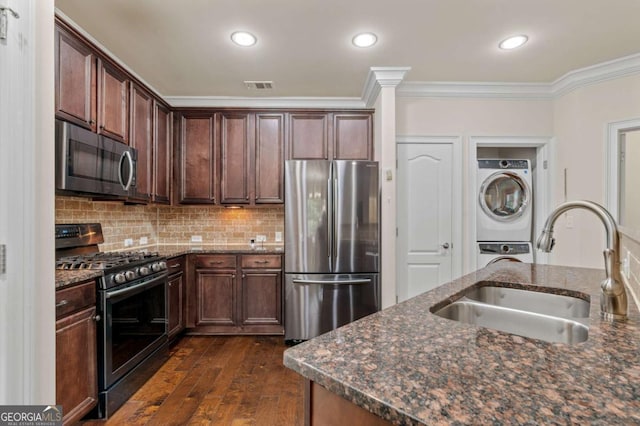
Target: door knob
(445, 246)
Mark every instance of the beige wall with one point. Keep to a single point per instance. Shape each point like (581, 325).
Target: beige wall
(170, 224)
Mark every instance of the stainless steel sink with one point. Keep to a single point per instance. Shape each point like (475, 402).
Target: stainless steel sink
(549, 317)
(532, 301)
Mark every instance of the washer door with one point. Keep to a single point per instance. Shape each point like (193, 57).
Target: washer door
(504, 259)
(504, 196)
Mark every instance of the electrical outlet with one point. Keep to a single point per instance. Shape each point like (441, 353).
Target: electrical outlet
(144, 240)
(278, 236)
(128, 242)
(261, 238)
(196, 238)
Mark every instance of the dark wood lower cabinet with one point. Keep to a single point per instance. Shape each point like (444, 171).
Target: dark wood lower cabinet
(235, 294)
(176, 303)
(76, 364)
(324, 408)
(216, 300)
(262, 301)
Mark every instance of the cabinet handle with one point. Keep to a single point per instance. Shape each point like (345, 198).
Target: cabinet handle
(96, 318)
(174, 266)
(261, 262)
(217, 262)
(61, 303)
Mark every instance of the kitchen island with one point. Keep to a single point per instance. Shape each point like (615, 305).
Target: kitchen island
(408, 366)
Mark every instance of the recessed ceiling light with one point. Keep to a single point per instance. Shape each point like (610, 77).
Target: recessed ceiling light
(365, 40)
(243, 38)
(513, 42)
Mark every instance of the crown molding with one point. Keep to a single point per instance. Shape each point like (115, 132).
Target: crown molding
(452, 89)
(263, 102)
(380, 77)
(628, 65)
(610, 70)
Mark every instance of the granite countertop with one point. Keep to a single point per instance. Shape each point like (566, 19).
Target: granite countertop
(411, 367)
(69, 277)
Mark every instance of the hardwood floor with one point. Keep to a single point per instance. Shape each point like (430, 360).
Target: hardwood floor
(215, 380)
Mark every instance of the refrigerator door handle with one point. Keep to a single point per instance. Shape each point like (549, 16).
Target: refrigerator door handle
(341, 282)
(330, 221)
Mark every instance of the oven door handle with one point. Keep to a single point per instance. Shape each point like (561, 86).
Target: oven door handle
(136, 288)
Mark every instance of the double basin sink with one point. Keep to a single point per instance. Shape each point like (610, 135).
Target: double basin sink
(550, 317)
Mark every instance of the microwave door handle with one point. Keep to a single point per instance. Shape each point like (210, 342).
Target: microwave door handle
(126, 155)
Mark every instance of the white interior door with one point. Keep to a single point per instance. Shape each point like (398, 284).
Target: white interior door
(424, 218)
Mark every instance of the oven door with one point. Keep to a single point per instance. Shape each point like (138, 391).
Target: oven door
(134, 325)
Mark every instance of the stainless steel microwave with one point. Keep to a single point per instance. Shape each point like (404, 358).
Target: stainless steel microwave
(93, 164)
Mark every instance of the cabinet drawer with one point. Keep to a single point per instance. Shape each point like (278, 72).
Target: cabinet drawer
(218, 261)
(75, 298)
(175, 264)
(261, 261)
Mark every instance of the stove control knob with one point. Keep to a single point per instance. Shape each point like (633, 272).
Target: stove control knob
(158, 266)
(120, 278)
(163, 265)
(144, 270)
(130, 275)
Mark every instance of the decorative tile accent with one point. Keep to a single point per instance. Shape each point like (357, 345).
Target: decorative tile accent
(631, 250)
(170, 224)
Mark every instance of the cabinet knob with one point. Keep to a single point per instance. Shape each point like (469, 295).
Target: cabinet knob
(96, 318)
(170, 284)
(244, 276)
(92, 122)
(233, 276)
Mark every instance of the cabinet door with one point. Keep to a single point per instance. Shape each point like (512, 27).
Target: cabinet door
(162, 148)
(141, 139)
(269, 174)
(262, 300)
(216, 296)
(308, 136)
(75, 79)
(176, 300)
(234, 150)
(352, 137)
(197, 159)
(76, 364)
(113, 92)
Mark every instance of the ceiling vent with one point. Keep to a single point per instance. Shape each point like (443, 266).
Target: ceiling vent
(259, 85)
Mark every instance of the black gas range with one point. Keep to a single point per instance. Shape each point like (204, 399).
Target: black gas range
(132, 337)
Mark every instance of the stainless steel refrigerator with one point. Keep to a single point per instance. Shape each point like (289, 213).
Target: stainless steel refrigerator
(332, 245)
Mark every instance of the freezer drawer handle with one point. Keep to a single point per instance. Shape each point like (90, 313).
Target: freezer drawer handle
(345, 282)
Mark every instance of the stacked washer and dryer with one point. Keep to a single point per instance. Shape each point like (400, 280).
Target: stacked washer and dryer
(505, 213)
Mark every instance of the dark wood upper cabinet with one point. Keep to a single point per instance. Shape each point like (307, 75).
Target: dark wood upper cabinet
(235, 142)
(141, 139)
(309, 136)
(198, 165)
(113, 95)
(75, 79)
(162, 153)
(269, 158)
(352, 136)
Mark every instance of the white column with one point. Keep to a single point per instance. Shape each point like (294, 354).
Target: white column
(380, 93)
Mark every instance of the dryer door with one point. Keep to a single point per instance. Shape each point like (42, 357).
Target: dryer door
(504, 196)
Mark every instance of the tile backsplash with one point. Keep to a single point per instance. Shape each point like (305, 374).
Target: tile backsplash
(170, 224)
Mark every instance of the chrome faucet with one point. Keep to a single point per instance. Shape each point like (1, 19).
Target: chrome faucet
(613, 299)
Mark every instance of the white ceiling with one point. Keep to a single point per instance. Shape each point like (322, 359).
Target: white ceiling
(182, 48)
